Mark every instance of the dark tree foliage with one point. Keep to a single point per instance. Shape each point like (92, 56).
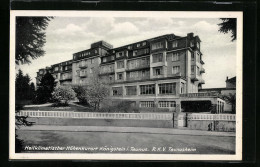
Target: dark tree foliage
(24, 90)
(231, 99)
(229, 25)
(45, 88)
(30, 38)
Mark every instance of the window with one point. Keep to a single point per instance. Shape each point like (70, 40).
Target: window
(119, 54)
(91, 61)
(147, 89)
(119, 76)
(175, 57)
(157, 58)
(174, 44)
(168, 88)
(129, 47)
(144, 43)
(146, 104)
(191, 44)
(91, 70)
(198, 45)
(138, 45)
(120, 64)
(157, 45)
(104, 59)
(117, 91)
(192, 56)
(175, 69)
(95, 51)
(198, 70)
(112, 58)
(198, 57)
(182, 87)
(55, 69)
(135, 53)
(130, 90)
(192, 69)
(167, 104)
(158, 71)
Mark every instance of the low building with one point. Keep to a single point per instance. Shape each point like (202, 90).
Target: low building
(230, 89)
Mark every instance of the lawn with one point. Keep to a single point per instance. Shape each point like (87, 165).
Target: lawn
(49, 107)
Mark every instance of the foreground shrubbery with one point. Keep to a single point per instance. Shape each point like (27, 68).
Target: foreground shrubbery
(62, 95)
(122, 107)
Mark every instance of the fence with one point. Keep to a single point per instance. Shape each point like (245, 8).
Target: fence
(215, 117)
(207, 94)
(95, 115)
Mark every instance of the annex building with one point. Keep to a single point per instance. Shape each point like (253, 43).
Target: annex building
(164, 72)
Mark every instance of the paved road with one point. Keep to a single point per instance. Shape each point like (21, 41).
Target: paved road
(125, 140)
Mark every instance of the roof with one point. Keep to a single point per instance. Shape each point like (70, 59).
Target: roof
(231, 80)
(216, 89)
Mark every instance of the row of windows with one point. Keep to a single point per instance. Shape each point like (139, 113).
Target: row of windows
(160, 45)
(85, 54)
(168, 88)
(137, 45)
(120, 64)
(146, 104)
(161, 104)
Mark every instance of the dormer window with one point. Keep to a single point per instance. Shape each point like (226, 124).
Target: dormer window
(138, 45)
(157, 45)
(144, 43)
(129, 47)
(174, 44)
(191, 44)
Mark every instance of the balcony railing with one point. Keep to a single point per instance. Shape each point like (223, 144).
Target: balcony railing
(128, 78)
(82, 75)
(82, 65)
(139, 66)
(202, 70)
(66, 78)
(192, 95)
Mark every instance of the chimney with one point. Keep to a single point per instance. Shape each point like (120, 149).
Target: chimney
(190, 35)
(227, 79)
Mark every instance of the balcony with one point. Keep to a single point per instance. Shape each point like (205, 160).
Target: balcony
(202, 81)
(83, 65)
(64, 78)
(195, 95)
(128, 78)
(82, 75)
(194, 78)
(138, 67)
(202, 70)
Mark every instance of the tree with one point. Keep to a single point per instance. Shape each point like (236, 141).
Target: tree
(81, 94)
(97, 91)
(23, 88)
(63, 94)
(30, 38)
(231, 99)
(45, 88)
(229, 25)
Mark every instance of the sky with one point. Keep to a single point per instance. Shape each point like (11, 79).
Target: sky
(68, 35)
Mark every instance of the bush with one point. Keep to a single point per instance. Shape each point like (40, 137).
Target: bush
(121, 107)
(81, 94)
(63, 94)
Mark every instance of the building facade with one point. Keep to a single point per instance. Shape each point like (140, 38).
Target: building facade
(160, 72)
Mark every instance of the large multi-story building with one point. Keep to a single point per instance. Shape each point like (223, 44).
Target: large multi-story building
(160, 72)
